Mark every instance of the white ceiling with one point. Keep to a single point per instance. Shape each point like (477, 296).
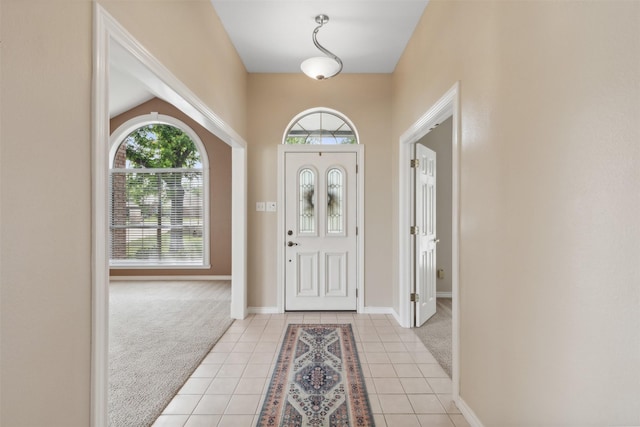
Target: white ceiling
(274, 36)
(125, 91)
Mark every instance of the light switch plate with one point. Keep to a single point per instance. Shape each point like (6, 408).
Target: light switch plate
(260, 206)
(271, 206)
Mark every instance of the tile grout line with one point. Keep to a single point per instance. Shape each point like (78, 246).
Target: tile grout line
(370, 331)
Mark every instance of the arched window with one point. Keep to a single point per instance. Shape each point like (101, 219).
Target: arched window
(320, 126)
(159, 195)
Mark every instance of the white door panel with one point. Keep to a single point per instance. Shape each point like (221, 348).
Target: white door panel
(307, 275)
(320, 227)
(425, 243)
(336, 274)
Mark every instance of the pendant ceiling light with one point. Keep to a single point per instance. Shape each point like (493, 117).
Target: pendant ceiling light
(321, 67)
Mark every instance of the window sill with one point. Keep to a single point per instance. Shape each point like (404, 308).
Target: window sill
(159, 267)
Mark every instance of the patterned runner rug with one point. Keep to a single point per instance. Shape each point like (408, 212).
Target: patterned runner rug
(317, 380)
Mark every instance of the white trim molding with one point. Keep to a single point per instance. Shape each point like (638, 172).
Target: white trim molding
(263, 310)
(182, 278)
(238, 232)
(468, 413)
(113, 43)
(377, 310)
(159, 266)
(397, 317)
(382, 310)
(365, 310)
(444, 294)
(447, 106)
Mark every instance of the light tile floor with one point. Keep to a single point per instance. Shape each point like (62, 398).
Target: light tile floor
(406, 386)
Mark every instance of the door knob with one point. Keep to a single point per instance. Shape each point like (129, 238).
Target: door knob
(291, 244)
(436, 240)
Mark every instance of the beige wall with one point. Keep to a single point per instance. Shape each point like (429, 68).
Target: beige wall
(550, 271)
(219, 155)
(45, 183)
(45, 200)
(274, 100)
(440, 141)
(549, 199)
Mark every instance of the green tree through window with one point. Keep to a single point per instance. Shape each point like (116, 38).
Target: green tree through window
(157, 198)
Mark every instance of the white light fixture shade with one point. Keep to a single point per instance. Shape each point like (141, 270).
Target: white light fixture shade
(320, 67)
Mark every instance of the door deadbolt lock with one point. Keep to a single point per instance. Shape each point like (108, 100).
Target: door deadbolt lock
(290, 233)
(291, 244)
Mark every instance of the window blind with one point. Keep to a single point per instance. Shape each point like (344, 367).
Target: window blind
(157, 217)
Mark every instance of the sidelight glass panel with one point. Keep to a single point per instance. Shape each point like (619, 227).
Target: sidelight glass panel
(335, 201)
(306, 202)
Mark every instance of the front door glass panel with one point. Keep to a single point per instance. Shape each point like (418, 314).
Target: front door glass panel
(335, 202)
(307, 209)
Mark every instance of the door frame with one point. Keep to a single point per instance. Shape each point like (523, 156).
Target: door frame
(447, 106)
(110, 39)
(358, 149)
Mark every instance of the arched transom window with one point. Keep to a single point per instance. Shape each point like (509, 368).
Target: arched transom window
(158, 206)
(320, 126)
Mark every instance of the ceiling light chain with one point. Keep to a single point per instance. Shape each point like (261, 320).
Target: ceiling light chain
(322, 68)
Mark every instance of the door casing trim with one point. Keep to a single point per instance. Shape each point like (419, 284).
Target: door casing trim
(447, 106)
(111, 38)
(358, 149)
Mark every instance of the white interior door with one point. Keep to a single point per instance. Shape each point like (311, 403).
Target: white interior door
(320, 227)
(425, 252)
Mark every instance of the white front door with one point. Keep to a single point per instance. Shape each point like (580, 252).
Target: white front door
(320, 227)
(425, 249)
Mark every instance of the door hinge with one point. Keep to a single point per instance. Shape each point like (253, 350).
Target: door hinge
(415, 297)
(356, 292)
(356, 231)
(356, 168)
(415, 163)
(414, 230)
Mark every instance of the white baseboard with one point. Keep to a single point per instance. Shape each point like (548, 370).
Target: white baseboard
(166, 278)
(468, 413)
(367, 310)
(263, 310)
(396, 316)
(377, 310)
(444, 295)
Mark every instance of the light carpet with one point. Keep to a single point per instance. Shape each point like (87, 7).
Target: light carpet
(159, 332)
(317, 380)
(436, 334)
